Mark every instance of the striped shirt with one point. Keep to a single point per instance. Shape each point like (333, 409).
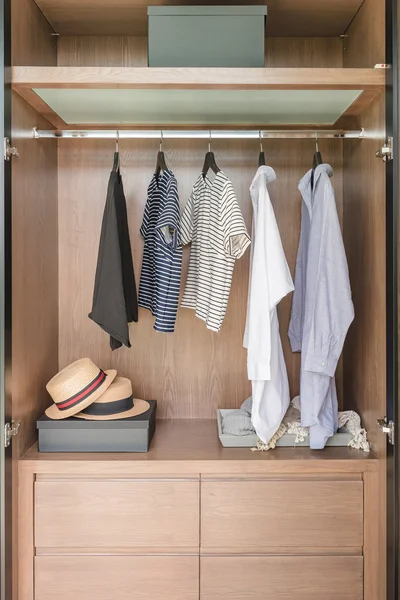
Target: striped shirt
(213, 223)
(162, 255)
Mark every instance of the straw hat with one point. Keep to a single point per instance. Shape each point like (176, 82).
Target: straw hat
(116, 403)
(77, 386)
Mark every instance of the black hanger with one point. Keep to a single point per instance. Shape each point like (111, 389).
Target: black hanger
(161, 165)
(261, 156)
(317, 156)
(116, 161)
(116, 153)
(317, 160)
(209, 161)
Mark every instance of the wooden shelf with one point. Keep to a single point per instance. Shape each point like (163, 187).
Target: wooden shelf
(191, 446)
(84, 96)
(196, 78)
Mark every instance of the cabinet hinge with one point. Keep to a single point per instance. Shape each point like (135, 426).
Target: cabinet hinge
(386, 152)
(388, 428)
(10, 430)
(9, 150)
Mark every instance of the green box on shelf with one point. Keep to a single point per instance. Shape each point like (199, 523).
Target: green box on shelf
(207, 36)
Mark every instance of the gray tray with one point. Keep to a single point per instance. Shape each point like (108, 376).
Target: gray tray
(342, 438)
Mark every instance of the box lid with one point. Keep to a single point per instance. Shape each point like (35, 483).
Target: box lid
(193, 11)
(139, 422)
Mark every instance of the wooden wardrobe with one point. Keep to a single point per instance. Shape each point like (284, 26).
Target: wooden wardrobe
(191, 520)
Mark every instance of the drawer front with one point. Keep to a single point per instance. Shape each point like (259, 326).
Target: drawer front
(281, 578)
(117, 514)
(120, 577)
(255, 516)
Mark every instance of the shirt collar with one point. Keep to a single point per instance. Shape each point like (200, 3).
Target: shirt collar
(269, 173)
(305, 184)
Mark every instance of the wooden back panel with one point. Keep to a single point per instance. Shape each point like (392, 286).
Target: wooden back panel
(192, 371)
(130, 51)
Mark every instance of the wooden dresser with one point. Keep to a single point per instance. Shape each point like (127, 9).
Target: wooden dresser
(192, 520)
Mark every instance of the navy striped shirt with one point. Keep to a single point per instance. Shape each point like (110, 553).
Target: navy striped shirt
(162, 255)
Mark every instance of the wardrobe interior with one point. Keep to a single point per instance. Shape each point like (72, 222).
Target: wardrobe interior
(58, 196)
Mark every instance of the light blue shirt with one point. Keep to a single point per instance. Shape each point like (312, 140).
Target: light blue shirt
(322, 308)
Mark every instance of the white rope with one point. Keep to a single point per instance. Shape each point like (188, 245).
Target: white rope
(291, 424)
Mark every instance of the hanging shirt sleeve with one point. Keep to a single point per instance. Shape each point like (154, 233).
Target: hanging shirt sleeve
(235, 236)
(168, 227)
(333, 310)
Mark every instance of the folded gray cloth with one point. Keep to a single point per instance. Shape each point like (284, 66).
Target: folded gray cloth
(238, 422)
(247, 406)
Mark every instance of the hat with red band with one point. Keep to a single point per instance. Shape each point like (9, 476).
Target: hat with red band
(76, 387)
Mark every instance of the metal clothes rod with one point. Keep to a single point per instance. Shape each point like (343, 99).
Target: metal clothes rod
(196, 134)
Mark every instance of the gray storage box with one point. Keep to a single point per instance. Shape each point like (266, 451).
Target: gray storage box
(77, 435)
(342, 438)
(207, 36)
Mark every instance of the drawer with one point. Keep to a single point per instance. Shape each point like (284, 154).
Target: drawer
(117, 514)
(120, 577)
(255, 516)
(281, 578)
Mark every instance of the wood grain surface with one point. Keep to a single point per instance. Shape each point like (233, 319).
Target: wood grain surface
(143, 514)
(374, 576)
(122, 577)
(101, 51)
(193, 371)
(281, 578)
(34, 271)
(23, 536)
(329, 18)
(129, 51)
(32, 40)
(365, 235)
(365, 42)
(198, 78)
(188, 447)
(249, 517)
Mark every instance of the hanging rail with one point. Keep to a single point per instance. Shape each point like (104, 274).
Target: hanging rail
(197, 134)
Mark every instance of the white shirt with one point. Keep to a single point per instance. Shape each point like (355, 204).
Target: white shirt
(270, 281)
(213, 223)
